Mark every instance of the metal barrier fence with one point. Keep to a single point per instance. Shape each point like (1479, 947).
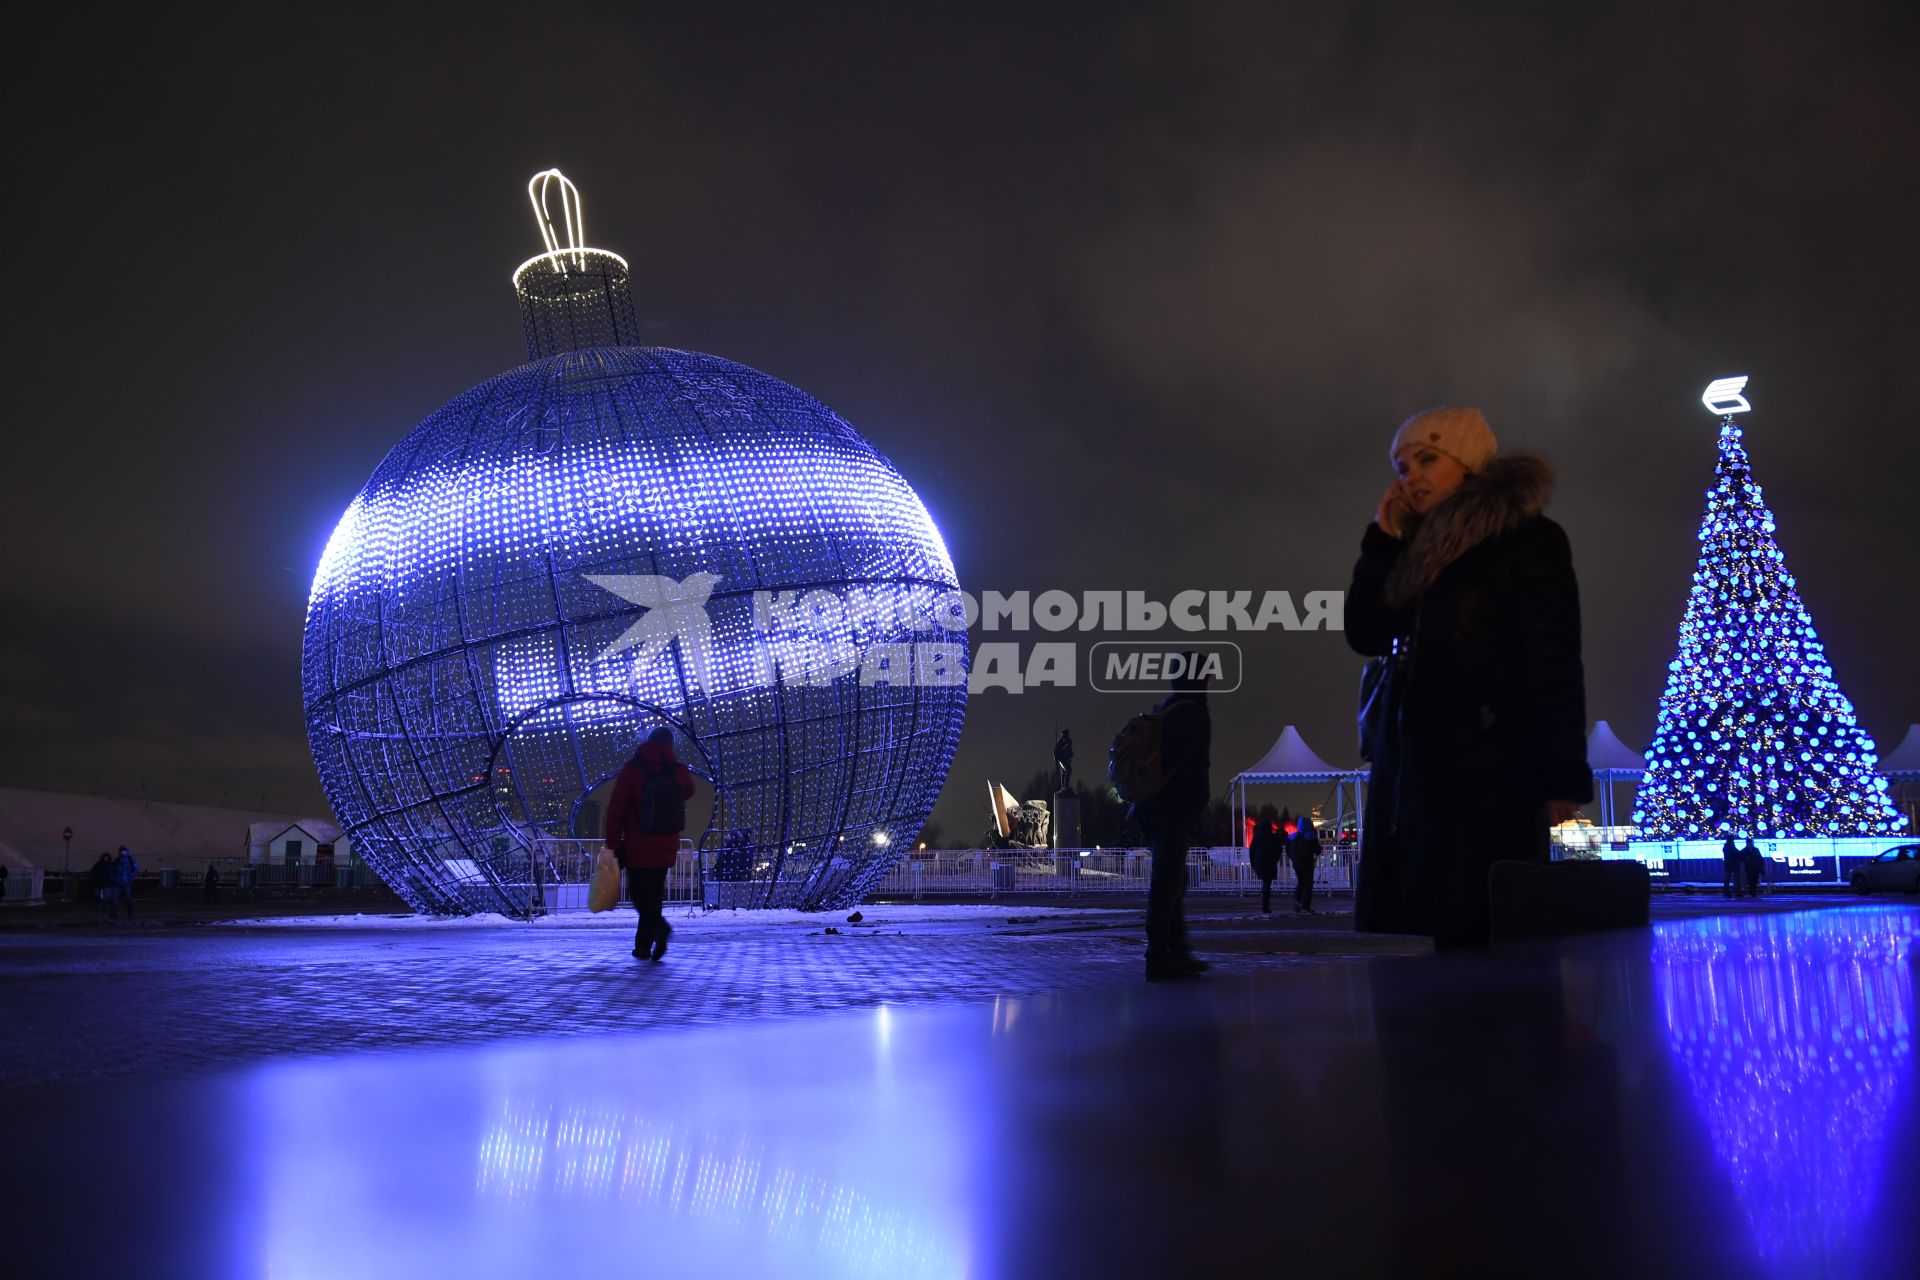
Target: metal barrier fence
(23, 885)
(289, 875)
(563, 869)
(991, 872)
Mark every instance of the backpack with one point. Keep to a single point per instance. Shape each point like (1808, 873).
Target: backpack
(663, 806)
(1133, 761)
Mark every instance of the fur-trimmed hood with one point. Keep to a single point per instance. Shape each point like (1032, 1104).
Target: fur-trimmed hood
(1502, 495)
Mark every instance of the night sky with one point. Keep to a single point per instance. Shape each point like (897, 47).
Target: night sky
(1134, 302)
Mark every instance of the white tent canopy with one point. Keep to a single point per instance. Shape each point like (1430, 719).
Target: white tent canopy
(1904, 760)
(161, 834)
(1607, 754)
(1611, 761)
(1291, 760)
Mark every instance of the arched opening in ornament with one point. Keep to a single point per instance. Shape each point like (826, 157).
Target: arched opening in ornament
(558, 760)
(589, 818)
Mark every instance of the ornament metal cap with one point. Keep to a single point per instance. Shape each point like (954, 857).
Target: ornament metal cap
(571, 297)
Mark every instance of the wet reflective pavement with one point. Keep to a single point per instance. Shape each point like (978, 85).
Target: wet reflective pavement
(1726, 1095)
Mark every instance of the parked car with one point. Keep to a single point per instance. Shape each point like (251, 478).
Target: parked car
(1897, 868)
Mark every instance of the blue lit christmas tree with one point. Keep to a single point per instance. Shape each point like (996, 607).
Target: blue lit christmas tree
(1755, 737)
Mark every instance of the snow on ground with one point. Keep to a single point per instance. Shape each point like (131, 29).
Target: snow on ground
(681, 916)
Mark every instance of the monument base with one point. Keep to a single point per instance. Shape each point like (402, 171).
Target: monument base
(1066, 820)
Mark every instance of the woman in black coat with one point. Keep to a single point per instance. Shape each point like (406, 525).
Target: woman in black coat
(1263, 854)
(1480, 741)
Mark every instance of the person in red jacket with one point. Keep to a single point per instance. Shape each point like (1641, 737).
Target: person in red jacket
(645, 817)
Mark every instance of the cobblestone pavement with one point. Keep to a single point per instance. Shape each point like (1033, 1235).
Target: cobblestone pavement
(1355, 1116)
(102, 1002)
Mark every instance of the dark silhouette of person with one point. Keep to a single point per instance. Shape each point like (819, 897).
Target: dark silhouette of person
(210, 885)
(1730, 868)
(1303, 852)
(1754, 865)
(1168, 818)
(100, 880)
(124, 869)
(636, 834)
(1063, 759)
(3, 881)
(1466, 589)
(1263, 854)
(735, 862)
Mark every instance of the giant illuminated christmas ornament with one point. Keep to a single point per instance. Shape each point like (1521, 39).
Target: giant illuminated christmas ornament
(614, 537)
(1755, 737)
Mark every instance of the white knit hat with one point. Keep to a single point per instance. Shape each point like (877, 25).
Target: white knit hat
(1461, 434)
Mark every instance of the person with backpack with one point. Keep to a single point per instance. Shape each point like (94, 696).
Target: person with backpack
(1164, 757)
(1474, 711)
(645, 816)
(1303, 852)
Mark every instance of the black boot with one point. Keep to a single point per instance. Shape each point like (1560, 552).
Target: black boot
(661, 932)
(1174, 966)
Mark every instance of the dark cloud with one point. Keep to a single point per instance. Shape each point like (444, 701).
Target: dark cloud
(97, 700)
(1134, 303)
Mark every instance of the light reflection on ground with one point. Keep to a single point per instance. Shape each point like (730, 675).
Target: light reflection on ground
(1795, 1034)
(552, 1153)
(1727, 1096)
(587, 1155)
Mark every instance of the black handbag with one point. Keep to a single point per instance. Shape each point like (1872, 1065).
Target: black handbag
(1552, 899)
(1380, 696)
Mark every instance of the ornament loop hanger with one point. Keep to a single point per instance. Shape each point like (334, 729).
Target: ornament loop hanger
(539, 188)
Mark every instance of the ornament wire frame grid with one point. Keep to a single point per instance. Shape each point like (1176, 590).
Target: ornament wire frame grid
(458, 712)
(573, 300)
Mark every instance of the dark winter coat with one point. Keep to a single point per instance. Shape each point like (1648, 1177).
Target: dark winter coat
(1303, 848)
(1264, 852)
(1186, 757)
(635, 846)
(1486, 714)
